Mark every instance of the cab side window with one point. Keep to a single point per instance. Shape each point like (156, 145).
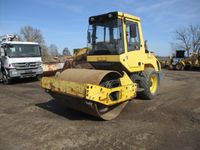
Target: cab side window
(132, 36)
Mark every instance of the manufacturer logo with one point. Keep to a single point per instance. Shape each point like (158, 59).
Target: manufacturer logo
(27, 65)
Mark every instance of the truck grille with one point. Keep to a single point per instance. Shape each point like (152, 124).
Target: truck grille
(24, 66)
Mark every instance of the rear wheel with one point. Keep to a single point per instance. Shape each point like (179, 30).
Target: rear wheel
(179, 67)
(149, 84)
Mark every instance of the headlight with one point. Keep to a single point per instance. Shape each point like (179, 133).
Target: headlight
(13, 65)
(13, 71)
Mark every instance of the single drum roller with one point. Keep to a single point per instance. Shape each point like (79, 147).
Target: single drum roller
(119, 60)
(100, 93)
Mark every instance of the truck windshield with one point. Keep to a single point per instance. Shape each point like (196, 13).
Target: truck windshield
(22, 50)
(106, 37)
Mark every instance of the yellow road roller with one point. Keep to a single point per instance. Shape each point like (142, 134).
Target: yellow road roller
(123, 68)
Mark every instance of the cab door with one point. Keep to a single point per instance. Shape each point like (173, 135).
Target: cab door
(133, 44)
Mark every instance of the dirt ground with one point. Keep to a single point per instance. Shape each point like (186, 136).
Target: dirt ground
(30, 119)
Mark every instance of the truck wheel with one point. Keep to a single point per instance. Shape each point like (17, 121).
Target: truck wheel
(6, 79)
(38, 77)
(149, 83)
(1, 77)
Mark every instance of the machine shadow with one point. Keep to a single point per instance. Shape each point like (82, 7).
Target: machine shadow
(59, 109)
(25, 80)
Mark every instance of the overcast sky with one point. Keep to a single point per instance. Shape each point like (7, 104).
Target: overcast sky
(65, 22)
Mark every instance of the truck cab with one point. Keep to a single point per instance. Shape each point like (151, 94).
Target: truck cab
(19, 59)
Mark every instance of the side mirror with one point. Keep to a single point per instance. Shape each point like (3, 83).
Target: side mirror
(133, 30)
(89, 37)
(146, 46)
(2, 53)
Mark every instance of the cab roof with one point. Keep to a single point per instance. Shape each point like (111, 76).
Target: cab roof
(114, 14)
(128, 16)
(19, 42)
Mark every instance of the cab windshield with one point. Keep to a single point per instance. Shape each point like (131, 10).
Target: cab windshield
(22, 50)
(105, 37)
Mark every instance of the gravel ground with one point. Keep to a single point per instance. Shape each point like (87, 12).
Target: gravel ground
(31, 119)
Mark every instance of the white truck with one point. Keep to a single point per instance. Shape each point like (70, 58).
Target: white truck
(19, 59)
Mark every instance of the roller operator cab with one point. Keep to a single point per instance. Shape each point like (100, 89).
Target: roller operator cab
(123, 69)
(116, 43)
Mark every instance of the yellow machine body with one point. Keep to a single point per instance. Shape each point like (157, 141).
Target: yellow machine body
(104, 91)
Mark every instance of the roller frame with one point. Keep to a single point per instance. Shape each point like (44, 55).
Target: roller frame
(92, 92)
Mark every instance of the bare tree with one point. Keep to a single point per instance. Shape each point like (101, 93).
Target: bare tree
(188, 38)
(184, 38)
(17, 37)
(46, 57)
(31, 34)
(53, 50)
(195, 38)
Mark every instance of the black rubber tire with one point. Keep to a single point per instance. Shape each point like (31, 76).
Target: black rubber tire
(1, 76)
(145, 83)
(179, 67)
(38, 77)
(6, 80)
